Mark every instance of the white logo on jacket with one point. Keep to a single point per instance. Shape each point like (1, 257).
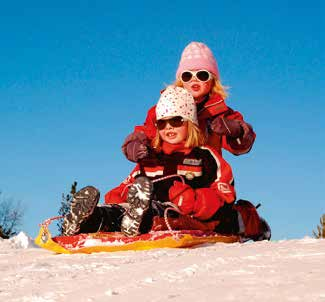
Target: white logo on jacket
(224, 187)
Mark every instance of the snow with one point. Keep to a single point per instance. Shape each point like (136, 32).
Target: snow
(286, 270)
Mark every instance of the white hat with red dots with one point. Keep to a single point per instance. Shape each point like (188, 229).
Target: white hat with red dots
(176, 101)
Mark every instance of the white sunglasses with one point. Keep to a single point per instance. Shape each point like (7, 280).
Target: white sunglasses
(201, 75)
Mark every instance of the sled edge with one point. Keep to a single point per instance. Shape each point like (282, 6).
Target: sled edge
(44, 240)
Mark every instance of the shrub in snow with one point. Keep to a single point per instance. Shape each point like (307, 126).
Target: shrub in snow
(320, 229)
(11, 214)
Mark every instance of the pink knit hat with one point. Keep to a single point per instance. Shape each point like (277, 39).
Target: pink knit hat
(176, 101)
(195, 56)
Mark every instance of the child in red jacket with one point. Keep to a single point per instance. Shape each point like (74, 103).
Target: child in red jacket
(181, 174)
(223, 127)
(181, 170)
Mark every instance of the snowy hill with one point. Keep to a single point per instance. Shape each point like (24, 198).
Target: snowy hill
(291, 270)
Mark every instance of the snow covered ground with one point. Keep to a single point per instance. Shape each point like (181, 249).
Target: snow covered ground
(292, 270)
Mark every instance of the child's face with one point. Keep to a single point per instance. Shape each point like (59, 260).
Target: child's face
(174, 135)
(197, 88)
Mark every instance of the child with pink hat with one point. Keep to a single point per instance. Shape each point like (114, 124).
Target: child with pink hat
(224, 128)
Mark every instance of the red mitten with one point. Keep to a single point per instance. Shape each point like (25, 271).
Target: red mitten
(183, 196)
(207, 203)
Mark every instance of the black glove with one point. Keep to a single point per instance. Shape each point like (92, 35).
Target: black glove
(228, 127)
(135, 146)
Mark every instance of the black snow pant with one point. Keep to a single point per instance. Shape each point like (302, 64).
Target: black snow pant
(106, 218)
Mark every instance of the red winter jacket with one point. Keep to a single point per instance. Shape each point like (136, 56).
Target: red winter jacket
(214, 106)
(201, 167)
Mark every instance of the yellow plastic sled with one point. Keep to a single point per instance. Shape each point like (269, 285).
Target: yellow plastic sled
(116, 241)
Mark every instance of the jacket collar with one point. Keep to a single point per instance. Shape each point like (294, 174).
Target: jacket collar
(168, 148)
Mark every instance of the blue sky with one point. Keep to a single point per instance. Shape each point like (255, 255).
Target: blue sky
(77, 76)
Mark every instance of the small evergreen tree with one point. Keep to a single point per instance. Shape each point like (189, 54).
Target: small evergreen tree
(65, 205)
(320, 228)
(11, 214)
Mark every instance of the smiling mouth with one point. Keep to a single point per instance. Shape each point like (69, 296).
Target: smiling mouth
(171, 134)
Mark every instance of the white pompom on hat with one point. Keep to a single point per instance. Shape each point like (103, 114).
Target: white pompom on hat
(196, 56)
(176, 101)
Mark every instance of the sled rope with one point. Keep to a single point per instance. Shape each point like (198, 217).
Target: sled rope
(169, 176)
(48, 221)
(172, 207)
(156, 180)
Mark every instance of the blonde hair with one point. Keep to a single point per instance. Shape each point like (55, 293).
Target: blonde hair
(194, 138)
(217, 87)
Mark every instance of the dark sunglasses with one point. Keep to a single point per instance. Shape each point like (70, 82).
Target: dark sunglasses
(176, 122)
(201, 75)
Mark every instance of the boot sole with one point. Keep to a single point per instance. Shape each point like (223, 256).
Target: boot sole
(139, 198)
(82, 206)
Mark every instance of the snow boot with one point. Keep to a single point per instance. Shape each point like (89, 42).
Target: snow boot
(82, 206)
(139, 198)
